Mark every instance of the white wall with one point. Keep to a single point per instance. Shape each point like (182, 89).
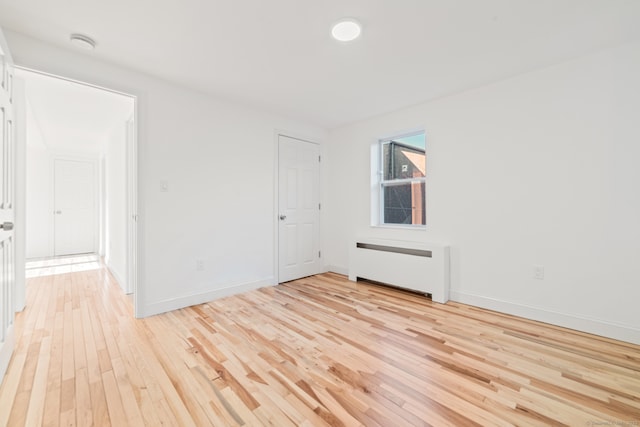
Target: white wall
(538, 169)
(218, 160)
(115, 204)
(39, 202)
(102, 201)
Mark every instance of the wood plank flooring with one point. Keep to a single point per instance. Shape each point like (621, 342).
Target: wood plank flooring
(320, 351)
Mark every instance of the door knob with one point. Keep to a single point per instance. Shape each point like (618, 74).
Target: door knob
(283, 217)
(58, 212)
(6, 226)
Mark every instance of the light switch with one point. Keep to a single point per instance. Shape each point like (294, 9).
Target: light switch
(538, 272)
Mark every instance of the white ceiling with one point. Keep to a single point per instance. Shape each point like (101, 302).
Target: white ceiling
(278, 54)
(73, 117)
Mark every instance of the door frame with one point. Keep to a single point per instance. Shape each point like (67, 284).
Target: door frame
(20, 235)
(132, 187)
(276, 197)
(131, 159)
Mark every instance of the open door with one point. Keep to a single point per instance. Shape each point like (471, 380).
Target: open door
(7, 187)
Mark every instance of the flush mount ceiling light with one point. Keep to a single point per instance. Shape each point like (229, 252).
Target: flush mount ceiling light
(346, 30)
(83, 42)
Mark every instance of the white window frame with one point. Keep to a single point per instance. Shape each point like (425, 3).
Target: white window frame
(379, 183)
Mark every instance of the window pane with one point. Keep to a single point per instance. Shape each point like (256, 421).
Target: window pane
(404, 204)
(404, 158)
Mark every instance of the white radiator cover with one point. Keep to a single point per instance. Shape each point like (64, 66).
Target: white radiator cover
(417, 272)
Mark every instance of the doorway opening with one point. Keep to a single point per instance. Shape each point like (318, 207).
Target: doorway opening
(81, 186)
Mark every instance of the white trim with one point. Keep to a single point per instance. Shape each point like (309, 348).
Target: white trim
(7, 348)
(336, 269)
(276, 204)
(418, 227)
(201, 298)
(139, 136)
(131, 160)
(116, 276)
(20, 217)
(595, 326)
(295, 135)
(67, 79)
(402, 134)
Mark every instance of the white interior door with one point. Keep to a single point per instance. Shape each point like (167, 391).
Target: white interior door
(299, 209)
(75, 214)
(7, 183)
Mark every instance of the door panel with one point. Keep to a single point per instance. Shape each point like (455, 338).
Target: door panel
(7, 182)
(307, 255)
(292, 189)
(309, 198)
(75, 211)
(291, 241)
(299, 209)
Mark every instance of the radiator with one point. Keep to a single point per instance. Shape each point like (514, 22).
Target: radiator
(418, 267)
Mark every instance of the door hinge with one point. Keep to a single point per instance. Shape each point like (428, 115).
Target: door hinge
(319, 254)
(319, 159)
(319, 206)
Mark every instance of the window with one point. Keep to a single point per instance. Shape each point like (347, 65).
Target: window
(402, 180)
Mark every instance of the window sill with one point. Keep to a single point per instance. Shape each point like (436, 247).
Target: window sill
(401, 227)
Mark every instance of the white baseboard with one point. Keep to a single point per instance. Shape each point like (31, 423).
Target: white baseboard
(118, 278)
(580, 323)
(336, 269)
(6, 350)
(195, 299)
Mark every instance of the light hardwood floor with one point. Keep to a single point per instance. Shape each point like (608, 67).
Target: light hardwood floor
(314, 352)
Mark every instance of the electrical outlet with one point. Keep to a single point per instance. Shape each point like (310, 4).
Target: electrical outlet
(538, 272)
(199, 265)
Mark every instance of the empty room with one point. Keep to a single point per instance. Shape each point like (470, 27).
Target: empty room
(337, 213)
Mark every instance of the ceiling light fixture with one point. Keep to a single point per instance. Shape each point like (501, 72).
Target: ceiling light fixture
(346, 30)
(83, 42)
